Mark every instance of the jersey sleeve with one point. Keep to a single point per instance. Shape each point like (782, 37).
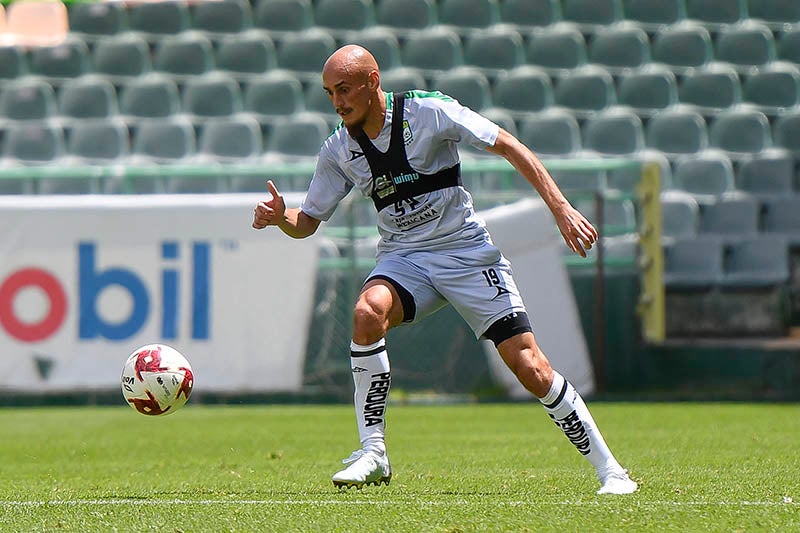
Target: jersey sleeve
(459, 123)
(328, 186)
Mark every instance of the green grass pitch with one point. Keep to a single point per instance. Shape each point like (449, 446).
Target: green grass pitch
(472, 467)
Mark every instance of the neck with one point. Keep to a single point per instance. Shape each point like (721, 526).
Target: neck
(376, 116)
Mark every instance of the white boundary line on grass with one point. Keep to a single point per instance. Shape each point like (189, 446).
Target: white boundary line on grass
(455, 503)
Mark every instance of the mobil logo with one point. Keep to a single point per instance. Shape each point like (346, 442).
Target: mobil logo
(153, 289)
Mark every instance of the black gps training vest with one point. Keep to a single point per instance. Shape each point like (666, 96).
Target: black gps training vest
(393, 179)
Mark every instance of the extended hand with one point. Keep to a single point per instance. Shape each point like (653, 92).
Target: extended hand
(578, 232)
(269, 213)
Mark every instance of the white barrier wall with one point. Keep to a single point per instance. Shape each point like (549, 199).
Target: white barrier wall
(86, 280)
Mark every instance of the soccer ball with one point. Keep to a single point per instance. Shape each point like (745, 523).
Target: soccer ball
(157, 380)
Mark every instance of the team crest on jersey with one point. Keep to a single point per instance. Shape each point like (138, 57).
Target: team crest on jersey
(384, 186)
(408, 135)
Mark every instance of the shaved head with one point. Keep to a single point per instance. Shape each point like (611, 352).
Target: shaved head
(350, 60)
(352, 79)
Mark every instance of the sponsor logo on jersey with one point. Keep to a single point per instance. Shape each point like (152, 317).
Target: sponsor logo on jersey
(355, 154)
(408, 135)
(405, 178)
(384, 186)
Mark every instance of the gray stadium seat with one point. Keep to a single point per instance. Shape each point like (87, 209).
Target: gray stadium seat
(617, 131)
(585, 91)
(711, 89)
(716, 14)
(102, 141)
(787, 131)
(92, 20)
(761, 261)
(403, 79)
(12, 63)
(558, 49)
(183, 56)
(302, 137)
(732, 216)
(164, 141)
(775, 13)
(619, 216)
(706, 176)
(58, 63)
(677, 131)
(746, 46)
(305, 52)
(340, 16)
(210, 96)
(433, 51)
(683, 46)
(693, 263)
(740, 131)
(282, 17)
(467, 15)
(529, 14)
(33, 143)
(121, 57)
(620, 48)
(150, 96)
(157, 19)
(767, 174)
(27, 99)
(403, 15)
(523, 90)
(654, 15)
(591, 15)
(384, 46)
(788, 45)
(231, 139)
(648, 90)
(495, 50)
(782, 217)
(318, 101)
(551, 133)
(467, 85)
(774, 89)
(87, 97)
(221, 17)
(680, 215)
(245, 55)
(274, 97)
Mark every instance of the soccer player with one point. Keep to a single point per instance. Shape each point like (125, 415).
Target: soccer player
(400, 150)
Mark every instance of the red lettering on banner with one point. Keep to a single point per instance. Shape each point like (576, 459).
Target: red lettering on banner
(49, 324)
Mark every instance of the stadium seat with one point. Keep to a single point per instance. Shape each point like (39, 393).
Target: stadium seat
(693, 263)
(98, 142)
(711, 88)
(706, 176)
(732, 216)
(150, 96)
(680, 215)
(774, 88)
(782, 217)
(384, 46)
(760, 261)
(648, 90)
(787, 131)
(494, 51)
(12, 63)
(628, 178)
(87, 97)
(767, 174)
(221, 17)
(467, 85)
(403, 79)
(302, 137)
(551, 133)
(33, 143)
(464, 16)
(654, 15)
(245, 55)
(155, 20)
(60, 62)
(340, 16)
(558, 48)
(716, 14)
(27, 99)
(33, 24)
(585, 91)
(163, 141)
(620, 48)
(683, 46)
(318, 101)
(211, 96)
(617, 132)
(282, 17)
(746, 46)
(183, 56)
(618, 214)
(788, 45)
(529, 14)
(274, 97)
(775, 13)
(523, 90)
(400, 16)
(677, 131)
(92, 20)
(230, 139)
(121, 57)
(591, 15)
(305, 52)
(433, 52)
(740, 131)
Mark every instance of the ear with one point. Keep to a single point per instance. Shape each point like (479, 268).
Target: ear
(374, 80)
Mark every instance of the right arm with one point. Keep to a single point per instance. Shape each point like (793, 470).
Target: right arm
(293, 222)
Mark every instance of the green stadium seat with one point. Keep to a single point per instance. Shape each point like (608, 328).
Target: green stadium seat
(305, 53)
(60, 62)
(620, 48)
(782, 217)
(93, 20)
(746, 46)
(12, 63)
(683, 46)
(211, 96)
(523, 90)
(302, 137)
(282, 17)
(230, 139)
(246, 55)
(183, 56)
(716, 14)
(648, 90)
(694, 263)
(502, 118)
(592, 15)
(317, 101)
(615, 132)
(27, 99)
(619, 216)
(711, 88)
(403, 79)
(33, 143)
(150, 96)
(787, 131)
(384, 46)
(769, 173)
(789, 45)
(274, 98)
(87, 97)
(464, 16)
(756, 262)
(340, 16)
(706, 175)
(677, 131)
(467, 85)
(221, 17)
(653, 15)
(529, 14)
(155, 20)
(494, 51)
(434, 51)
(557, 48)
(98, 142)
(680, 215)
(586, 91)
(163, 141)
(400, 16)
(551, 133)
(121, 58)
(774, 88)
(777, 14)
(732, 215)
(740, 132)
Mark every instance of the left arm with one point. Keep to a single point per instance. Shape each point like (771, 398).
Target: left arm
(578, 233)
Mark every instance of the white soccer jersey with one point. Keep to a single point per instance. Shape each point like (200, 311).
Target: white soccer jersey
(442, 219)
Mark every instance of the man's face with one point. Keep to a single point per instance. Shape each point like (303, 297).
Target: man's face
(350, 96)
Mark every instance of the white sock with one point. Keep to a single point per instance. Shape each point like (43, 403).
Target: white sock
(372, 379)
(569, 412)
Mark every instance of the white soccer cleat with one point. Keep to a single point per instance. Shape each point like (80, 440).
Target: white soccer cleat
(616, 481)
(364, 468)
